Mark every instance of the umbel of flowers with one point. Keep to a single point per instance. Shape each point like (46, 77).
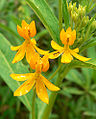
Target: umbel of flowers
(41, 64)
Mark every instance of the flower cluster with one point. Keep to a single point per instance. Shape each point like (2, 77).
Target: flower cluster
(41, 64)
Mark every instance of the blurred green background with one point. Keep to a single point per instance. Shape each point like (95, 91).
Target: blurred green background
(77, 99)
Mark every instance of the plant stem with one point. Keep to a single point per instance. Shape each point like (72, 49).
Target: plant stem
(55, 72)
(60, 15)
(53, 95)
(33, 104)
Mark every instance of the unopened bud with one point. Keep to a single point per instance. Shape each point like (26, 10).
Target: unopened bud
(74, 16)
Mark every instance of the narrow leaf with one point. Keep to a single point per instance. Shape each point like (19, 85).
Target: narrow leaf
(79, 64)
(65, 14)
(47, 17)
(87, 44)
(6, 68)
(71, 90)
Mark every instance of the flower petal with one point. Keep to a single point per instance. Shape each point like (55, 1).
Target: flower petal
(45, 65)
(26, 34)
(49, 85)
(32, 29)
(40, 51)
(20, 54)
(56, 46)
(24, 24)
(29, 52)
(54, 54)
(21, 77)
(76, 50)
(81, 58)
(25, 87)
(15, 48)
(33, 41)
(66, 57)
(63, 36)
(69, 29)
(41, 91)
(34, 58)
(20, 31)
(73, 35)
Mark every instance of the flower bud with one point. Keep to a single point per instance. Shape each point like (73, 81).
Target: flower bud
(74, 16)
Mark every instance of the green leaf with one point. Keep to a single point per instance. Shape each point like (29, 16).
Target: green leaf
(89, 113)
(87, 44)
(93, 93)
(65, 14)
(79, 64)
(75, 76)
(47, 17)
(72, 90)
(6, 68)
(2, 3)
(9, 30)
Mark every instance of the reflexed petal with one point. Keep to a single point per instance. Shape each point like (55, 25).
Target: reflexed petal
(20, 54)
(20, 31)
(21, 77)
(25, 87)
(41, 91)
(76, 50)
(45, 65)
(81, 58)
(49, 85)
(54, 54)
(66, 57)
(56, 46)
(24, 24)
(32, 29)
(29, 52)
(38, 67)
(40, 51)
(34, 58)
(15, 48)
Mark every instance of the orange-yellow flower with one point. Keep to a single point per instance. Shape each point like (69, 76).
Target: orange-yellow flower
(35, 79)
(29, 46)
(67, 39)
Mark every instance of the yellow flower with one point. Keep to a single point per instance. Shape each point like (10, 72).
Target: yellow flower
(67, 39)
(29, 46)
(35, 79)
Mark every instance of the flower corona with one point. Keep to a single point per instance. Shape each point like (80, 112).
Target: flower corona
(35, 79)
(67, 39)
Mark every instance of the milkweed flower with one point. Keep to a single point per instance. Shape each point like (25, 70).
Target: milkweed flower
(67, 39)
(28, 46)
(35, 79)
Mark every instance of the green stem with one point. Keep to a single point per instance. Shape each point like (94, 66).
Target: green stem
(33, 104)
(48, 108)
(55, 72)
(18, 106)
(60, 15)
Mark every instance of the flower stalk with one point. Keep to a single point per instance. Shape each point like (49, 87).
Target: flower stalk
(48, 108)
(33, 104)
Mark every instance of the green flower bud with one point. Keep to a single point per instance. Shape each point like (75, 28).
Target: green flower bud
(74, 16)
(93, 24)
(70, 8)
(81, 10)
(85, 20)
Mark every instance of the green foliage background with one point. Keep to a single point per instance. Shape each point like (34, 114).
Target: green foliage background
(77, 98)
